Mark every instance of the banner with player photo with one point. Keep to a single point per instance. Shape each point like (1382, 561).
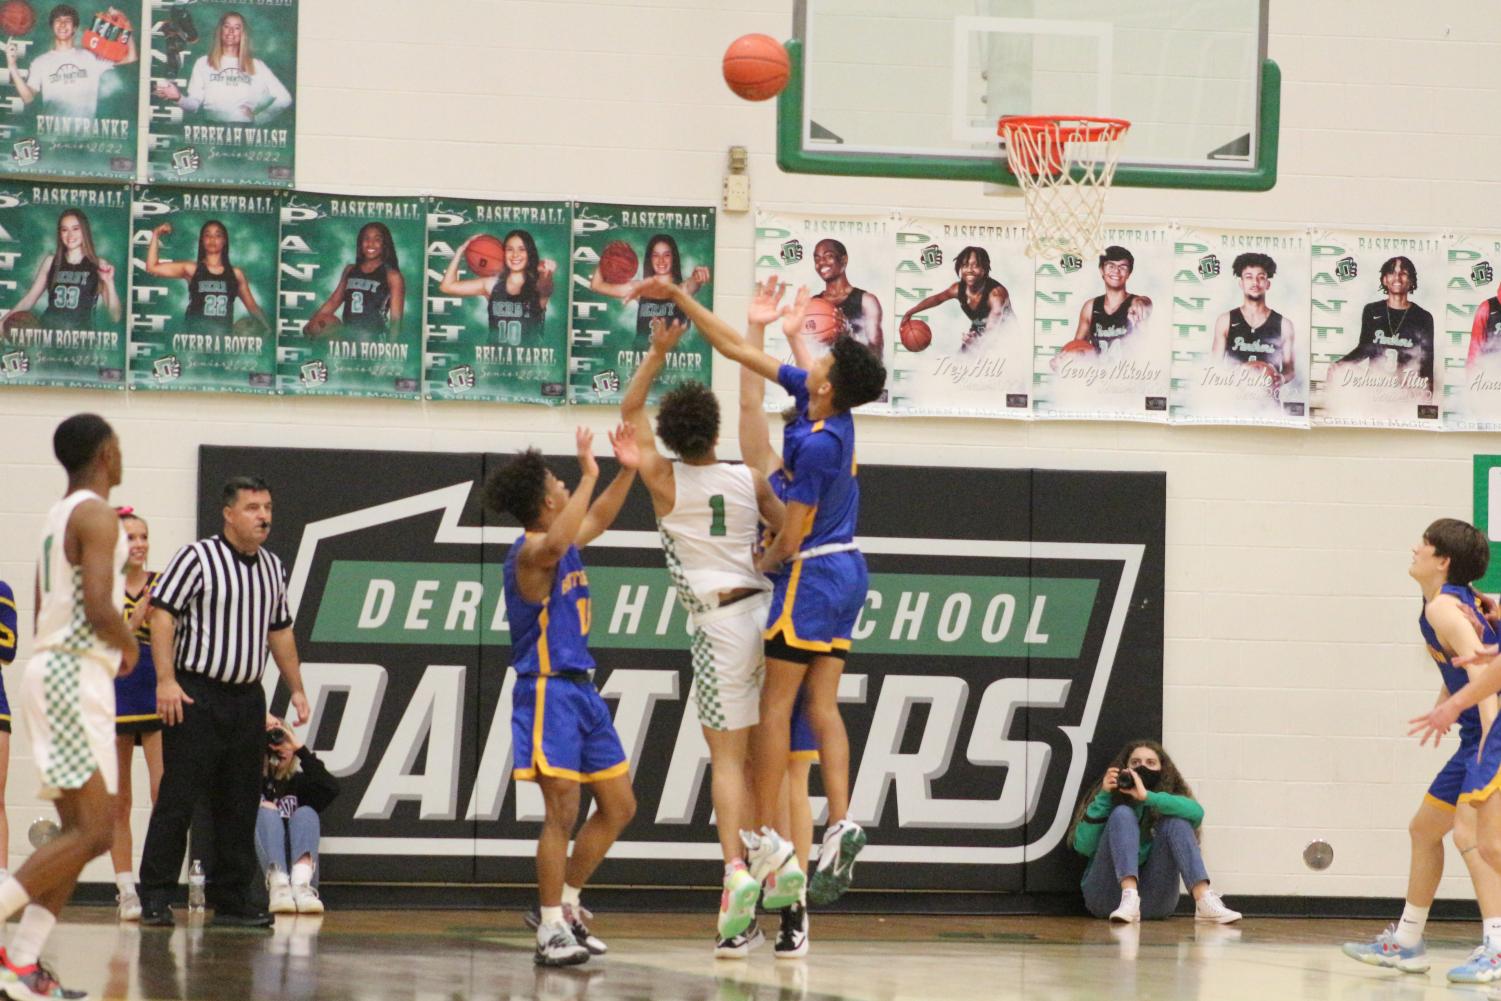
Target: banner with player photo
(1374, 353)
(203, 290)
(615, 248)
(497, 301)
(350, 311)
(963, 317)
(848, 264)
(71, 89)
(223, 92)
(1470, 351)
(1104, 330)
(1240, 328)
(63, 284)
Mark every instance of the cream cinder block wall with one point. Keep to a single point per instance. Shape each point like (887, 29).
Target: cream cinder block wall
(1292, 657)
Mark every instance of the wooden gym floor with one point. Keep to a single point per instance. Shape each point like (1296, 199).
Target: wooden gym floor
(486, 955)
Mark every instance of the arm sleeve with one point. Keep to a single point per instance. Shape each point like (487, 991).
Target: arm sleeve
(817, 462)
(1477, 331)
(314, 785)
(276, 92)
(180, 583)
(795, 381)
(197, 85)
(1367, 347)
(281, 615)
(1087, 834)
(8, 622)
(1176, 806)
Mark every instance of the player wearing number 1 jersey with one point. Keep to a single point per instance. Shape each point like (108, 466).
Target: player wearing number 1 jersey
(708, 514)
(214, 283)
(371, 293)
(515, 297)
(561, 731)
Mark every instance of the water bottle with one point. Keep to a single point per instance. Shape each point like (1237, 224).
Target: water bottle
(196, 883)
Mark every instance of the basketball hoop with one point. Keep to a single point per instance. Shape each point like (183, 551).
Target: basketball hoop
(1064, 165)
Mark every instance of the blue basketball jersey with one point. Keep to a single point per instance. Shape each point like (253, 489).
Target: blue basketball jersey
(1456, 677)
(819, 457)
(553, 637)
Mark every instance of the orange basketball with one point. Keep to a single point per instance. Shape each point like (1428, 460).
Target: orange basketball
(485, 255)
(16, 18)
(18, 320)
(756, 67)
(823, 320)
(617, 262)
(916, 335)
(1263, 374)
(1078, 347)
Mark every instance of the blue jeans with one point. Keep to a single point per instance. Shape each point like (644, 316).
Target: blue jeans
(1174, 855)
(282, 841)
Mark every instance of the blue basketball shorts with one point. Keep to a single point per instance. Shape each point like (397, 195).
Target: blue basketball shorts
(561, 728)
(814, 606)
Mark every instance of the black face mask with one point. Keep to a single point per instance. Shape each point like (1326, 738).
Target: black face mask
(1150, 778)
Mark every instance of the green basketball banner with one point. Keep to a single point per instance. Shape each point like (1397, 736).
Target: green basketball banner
(203, 290)
(71, 87)
(223, 92)
(616, 247)
(497, 308)
(63, 284)
(350, 295)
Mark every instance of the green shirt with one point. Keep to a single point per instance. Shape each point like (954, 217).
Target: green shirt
(1087, 834)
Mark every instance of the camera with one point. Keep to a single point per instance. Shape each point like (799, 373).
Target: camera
(275, 736)
(1125, 780)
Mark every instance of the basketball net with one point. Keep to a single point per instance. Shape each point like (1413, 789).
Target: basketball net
(1064, 165)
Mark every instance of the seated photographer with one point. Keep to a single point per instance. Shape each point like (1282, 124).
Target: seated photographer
(296, 788)
(1140, 834)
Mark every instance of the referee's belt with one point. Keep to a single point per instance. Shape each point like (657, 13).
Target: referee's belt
(832, 547)
(738, 605)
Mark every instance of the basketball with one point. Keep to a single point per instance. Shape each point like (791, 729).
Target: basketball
(16, 18)
(323, 326)
(249, 326)
(485, 255)
(18, 320)
(1078, 347)
(617, 262)
(916, 335)
(1260, 373)
(756, 67)
(822, 320)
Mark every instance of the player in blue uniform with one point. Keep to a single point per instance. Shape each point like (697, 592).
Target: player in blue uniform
(561, 732)
(8, 624)
(819, 582)
(1450, 557)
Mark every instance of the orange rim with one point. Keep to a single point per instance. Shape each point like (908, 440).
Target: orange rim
(1054, 133)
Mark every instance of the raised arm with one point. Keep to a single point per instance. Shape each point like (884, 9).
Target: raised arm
(773, 511)
(755, 441)
(107, 290)
(603, 511)
(12, 49)
(544, 553)
(656, 472)
(452, 284)
(725, 338)
(158, 268)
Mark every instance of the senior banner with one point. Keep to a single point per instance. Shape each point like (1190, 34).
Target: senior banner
(497, 301)
(847, 265)
(1103, 330)
(1007, 650)
(63, 284)
(203, 290)
(1375, 358)
(71, 86)
(223, 92)
(963, 320)
(1470, 337)
(349, 287)
(615, 248)
(1240, 328)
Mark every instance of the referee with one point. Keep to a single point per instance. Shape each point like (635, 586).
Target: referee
(218, 607)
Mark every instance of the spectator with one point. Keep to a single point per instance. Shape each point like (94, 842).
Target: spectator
(296, 789)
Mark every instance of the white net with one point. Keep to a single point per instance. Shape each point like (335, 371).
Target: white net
(1064, 167)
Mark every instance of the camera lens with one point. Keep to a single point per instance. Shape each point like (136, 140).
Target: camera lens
(275, 735)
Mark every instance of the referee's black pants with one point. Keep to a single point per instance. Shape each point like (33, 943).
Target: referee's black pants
(216, 753)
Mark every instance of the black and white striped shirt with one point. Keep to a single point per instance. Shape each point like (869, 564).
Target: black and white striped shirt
(224, 603)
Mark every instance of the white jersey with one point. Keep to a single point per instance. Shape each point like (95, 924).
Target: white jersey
(68, 80)
(224, 94)
(709, 537)
(62, 625)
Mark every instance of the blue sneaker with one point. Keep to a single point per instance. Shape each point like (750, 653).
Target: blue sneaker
(1483, 966)
(1384, 951)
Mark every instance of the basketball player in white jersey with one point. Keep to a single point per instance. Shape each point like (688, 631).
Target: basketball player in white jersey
(709, 515)
(67, 696)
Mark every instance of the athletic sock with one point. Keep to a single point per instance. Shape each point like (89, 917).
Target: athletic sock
(31, 935)
(1492, 932)
(551, 915)
(13, 897)
(731, 866)
(1410, 927)
(571, 895)
(302, 874)
(126, 882)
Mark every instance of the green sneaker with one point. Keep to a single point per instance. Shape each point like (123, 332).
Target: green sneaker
(836, 862)
(737, 904)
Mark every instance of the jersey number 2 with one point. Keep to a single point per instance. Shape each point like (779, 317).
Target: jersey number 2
(716, 524)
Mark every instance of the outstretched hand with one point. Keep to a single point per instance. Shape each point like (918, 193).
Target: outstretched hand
(766, 302)
(1434, 724)
(655, 287)
(584, 439)
(627, 449)
(795, 315)
(664, 335)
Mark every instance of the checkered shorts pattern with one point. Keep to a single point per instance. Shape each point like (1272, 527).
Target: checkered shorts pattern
(71, 761)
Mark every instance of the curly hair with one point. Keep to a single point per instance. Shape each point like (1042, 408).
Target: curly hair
(1171, 782)
(518, 488)
(857, 375)
(688, 422)
(1254, 260)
